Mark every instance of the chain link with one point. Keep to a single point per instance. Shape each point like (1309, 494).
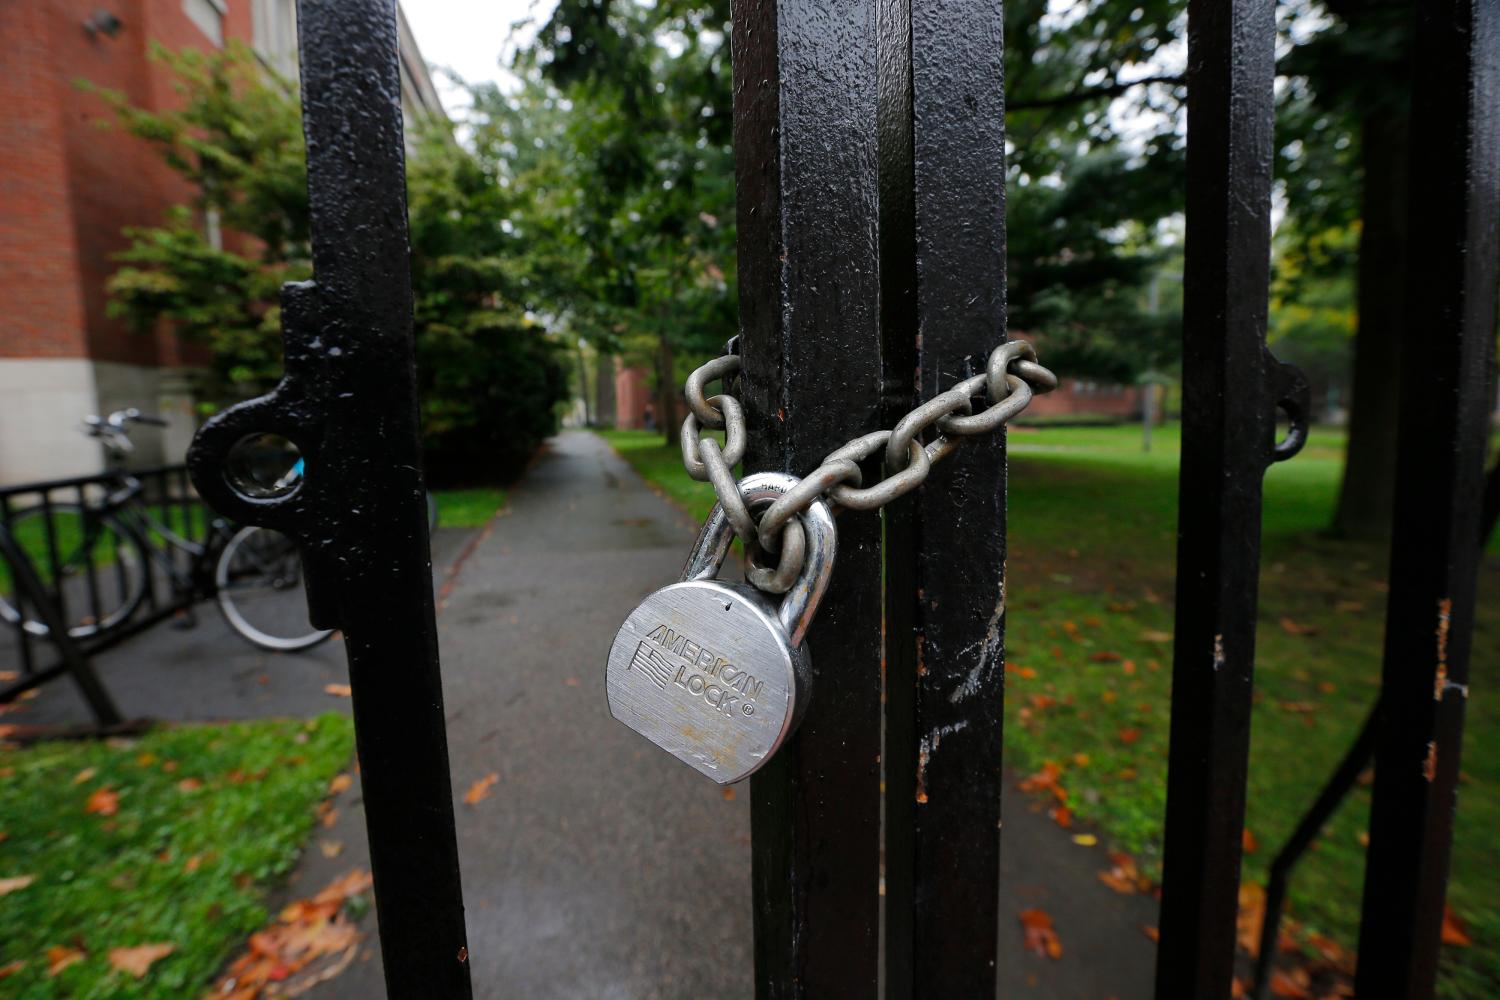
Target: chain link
(1011, 378)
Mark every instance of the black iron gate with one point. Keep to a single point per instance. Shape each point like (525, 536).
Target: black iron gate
(870, 170)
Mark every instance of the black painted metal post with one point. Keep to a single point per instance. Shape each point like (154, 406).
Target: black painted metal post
(943, 275)
(804, 133)
(1231, 388)
(348, 401)
(1439, 483)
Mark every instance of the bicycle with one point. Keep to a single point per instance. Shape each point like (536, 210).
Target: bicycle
(253, 574)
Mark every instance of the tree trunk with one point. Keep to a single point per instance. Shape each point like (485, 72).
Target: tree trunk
(605, 413)
(1368, 491)
(666, 391)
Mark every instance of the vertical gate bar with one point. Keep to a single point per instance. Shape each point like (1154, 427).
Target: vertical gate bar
(348, 401)
(946, 590)
(1227, 436)
(1439, 483)
(804, 134)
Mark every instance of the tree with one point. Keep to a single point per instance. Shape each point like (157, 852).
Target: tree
(645, 213)
(488, 376)
(1344, 149)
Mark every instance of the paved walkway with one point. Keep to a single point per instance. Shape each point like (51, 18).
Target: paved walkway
(598, 867)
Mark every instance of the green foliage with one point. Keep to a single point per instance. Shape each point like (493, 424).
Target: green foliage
(640, 220)
(488, 374)
(104, 882)
(1095, 166)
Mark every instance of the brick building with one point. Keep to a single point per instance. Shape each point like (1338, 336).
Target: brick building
(68, 187)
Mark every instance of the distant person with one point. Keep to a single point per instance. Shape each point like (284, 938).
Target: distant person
(649, 419)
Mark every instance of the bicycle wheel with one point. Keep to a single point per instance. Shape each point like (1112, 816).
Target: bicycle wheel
(100, 569)
(262, 592)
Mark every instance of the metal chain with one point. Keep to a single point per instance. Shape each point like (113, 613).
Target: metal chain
(1011, 377)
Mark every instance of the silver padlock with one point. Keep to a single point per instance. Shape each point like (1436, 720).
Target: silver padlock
(717, 674)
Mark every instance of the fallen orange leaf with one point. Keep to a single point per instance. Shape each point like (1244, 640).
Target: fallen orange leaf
(1248, 842)
(1124, 876)
(331, 848)
(15, 884)
(103, 800)
(338, 690)
(1291, 627)
(480, 790)
(340, 783)
(138, 960)
(1040, 936)
(1151, 932)
(84, 775)
(189, 785)
(59, 958)
(1105, 656)
(1251, 916)
(1454, 930)
(1129, 736)
(11, 968)
(1291, 985)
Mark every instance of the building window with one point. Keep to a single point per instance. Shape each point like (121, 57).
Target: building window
(275, 34)
(208, 15)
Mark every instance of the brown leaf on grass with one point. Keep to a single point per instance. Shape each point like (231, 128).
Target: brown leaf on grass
(1155, 635)
(192, 864)
(1129, 736)
(480, 790)
(1291, 627)
(103, 801)
(15, 884)
(329, 818)
(1251, 916)
(1042, 702)
(189, 785)
(1291, 985)
(1045, 780)
(1040, 936)
(60, 957)
(11, 968)
(84, 775)
(340, 783)
(1455, 931)
(1080, 760)
(1105, 656)
(1248, 843)
(1062, 816)
(138, 960)
(1349, 607)
(338, 690)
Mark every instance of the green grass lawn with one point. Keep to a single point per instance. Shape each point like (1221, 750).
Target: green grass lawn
(206, 820)
(1092, 554)
(470, 508)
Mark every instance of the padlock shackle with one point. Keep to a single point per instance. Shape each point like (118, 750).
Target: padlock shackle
(801, 602)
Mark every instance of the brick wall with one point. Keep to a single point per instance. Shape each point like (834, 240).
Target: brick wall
(78, 184)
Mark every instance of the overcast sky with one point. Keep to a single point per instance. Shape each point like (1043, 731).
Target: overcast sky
(472, 37)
